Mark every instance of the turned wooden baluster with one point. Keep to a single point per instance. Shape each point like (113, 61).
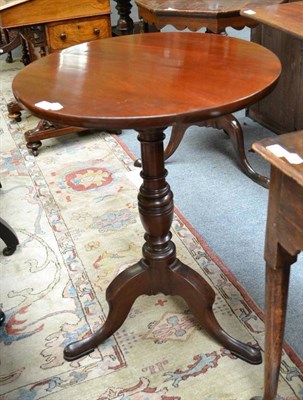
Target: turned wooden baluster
(125, 24)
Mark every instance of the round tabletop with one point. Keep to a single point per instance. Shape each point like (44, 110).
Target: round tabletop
(154, 79)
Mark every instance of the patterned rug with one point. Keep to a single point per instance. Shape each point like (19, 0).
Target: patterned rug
(74, 210)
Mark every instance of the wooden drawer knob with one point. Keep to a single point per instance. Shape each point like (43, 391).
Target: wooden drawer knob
(96, 31)
(63, 36)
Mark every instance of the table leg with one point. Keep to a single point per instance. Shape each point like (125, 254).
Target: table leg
(232, 128)
(125, 24)
(159, 271)
(2, 317)
(8, 235)
(7, 45)
(277, 282)
(280, 234)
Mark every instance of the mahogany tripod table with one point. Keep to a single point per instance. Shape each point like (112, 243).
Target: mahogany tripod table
(186, 77)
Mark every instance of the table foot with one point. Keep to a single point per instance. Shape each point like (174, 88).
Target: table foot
(120, 295)
(2, 317)
(14, 111)
(233, 129)
(8, 251)
(8, 235)
(34, 147)
(188, 284)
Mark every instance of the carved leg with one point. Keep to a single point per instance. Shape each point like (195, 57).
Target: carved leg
(25, 53)
(175, 139)
(9, 237)
(2, 317)
(7, 45)
(9, 58)
(234, 130)
(191, 286)
(120, 295)
(125, 24)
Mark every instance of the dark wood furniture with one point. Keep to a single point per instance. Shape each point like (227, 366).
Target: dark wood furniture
(284, 240)
(2, 317)
(281, 32)
(48, 26)
(194, 15)
(8, 42)
(57, 24)
(215, 18)
(125, 24)
(188, 90)
(9, 237)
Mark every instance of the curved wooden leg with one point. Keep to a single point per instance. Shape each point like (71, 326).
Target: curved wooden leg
(234, 130)
(120, 295)
(175, 139)
(2, 317)
(188, 284)
(9, 237)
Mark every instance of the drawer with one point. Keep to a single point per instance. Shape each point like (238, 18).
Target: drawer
(68, 33)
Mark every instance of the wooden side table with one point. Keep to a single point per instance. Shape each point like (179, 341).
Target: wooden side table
(188, 90)
(215, 17)
(284, 240)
